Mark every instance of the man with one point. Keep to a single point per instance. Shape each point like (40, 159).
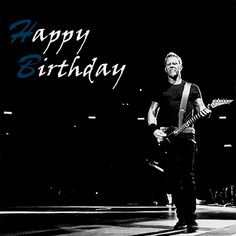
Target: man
(164, 113)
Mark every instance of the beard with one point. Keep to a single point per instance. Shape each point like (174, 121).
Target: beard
(173, 74)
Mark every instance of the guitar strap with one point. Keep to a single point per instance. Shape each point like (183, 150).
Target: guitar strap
(183, 103)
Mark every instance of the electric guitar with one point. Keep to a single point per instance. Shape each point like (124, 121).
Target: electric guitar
(173, 131)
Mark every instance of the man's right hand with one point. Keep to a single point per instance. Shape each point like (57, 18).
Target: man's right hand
(159, 134)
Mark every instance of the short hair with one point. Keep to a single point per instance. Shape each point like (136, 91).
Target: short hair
(172, 54)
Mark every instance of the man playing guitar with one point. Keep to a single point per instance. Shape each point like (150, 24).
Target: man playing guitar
(165, 112)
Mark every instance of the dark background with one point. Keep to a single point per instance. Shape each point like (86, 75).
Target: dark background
(45, 159)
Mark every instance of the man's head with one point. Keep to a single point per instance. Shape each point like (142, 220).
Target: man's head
(173, 65)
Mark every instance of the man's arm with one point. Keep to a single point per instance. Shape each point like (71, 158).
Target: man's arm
(152, 113)
(152, 121)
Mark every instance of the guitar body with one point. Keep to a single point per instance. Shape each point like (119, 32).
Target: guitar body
(169, 138)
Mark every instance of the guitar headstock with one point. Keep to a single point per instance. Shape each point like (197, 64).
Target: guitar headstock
(219, 102)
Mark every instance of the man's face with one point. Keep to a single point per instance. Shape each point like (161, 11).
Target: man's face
(173, 67)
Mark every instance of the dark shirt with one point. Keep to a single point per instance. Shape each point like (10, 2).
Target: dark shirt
(169, 98)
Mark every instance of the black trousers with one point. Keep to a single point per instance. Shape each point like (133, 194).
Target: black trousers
(180, 177)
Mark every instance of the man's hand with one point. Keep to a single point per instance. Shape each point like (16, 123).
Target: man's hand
(202, 109)
(206, 113)
(159, 134)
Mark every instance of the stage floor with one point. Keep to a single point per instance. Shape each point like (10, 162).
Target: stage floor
(113, 220)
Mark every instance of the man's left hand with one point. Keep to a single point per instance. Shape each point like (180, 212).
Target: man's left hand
(206, 112)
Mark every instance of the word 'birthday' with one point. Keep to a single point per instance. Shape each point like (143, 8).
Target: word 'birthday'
(29, 64)
(91, 71)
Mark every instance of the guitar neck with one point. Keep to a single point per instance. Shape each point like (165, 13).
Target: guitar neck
(215, 103)
(187, 124)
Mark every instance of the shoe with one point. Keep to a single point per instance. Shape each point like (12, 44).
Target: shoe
(192, 226)
(180, 225)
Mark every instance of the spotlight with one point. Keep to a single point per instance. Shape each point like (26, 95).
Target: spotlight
(91, 117)
(222, 117)
(227, 145)
(140, 118)
(7, 112)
